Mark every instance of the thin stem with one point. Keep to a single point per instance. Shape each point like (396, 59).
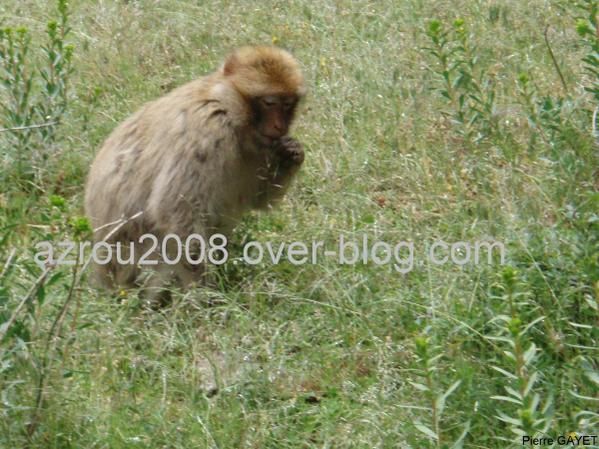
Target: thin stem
(23, 128)
(555, 64)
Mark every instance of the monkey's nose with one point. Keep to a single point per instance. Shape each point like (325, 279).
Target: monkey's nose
(280, 128)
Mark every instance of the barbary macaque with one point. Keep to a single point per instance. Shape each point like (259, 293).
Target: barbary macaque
(193, 161)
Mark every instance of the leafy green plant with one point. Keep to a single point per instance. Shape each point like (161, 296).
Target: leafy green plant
(528, 415)
(436, 399)
(25, 344)
(587, 27)
(469, 90)
(34, 92)
(18, 113)
(544, 113)
(57, 70)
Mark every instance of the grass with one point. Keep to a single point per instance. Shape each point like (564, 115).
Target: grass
(325, 355)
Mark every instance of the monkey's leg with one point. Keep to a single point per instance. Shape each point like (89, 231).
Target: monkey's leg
(104, 267)
(102, 276)
(124, 264)
(156, 291)
(191, 267)
(173, 269)
(191, 275)
(158, 275)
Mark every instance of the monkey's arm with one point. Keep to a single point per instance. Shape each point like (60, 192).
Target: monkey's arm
(288, 156)
(190, 188)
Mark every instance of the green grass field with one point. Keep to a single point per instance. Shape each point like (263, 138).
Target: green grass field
(425, 121)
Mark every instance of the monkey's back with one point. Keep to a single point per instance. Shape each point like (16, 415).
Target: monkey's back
(176, 160)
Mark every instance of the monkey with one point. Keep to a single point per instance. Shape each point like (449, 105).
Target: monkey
(194, 161)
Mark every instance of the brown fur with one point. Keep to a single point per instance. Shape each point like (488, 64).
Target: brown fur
(196, 159)
(260, 71)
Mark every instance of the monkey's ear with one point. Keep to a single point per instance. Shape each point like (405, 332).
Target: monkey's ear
(231, 65)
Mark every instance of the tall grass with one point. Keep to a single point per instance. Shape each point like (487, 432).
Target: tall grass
(458, 121)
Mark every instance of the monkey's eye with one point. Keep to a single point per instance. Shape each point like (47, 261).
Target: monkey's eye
(289, 105)
(269, 102)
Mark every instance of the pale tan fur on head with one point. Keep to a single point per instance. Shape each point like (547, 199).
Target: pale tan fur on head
(261, 71)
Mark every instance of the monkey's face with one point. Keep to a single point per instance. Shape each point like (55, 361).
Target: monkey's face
(273, 115)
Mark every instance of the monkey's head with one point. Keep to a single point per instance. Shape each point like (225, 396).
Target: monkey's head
(271, 82)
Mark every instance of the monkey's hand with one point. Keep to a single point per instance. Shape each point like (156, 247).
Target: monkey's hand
(286, 156)
(289, 152)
